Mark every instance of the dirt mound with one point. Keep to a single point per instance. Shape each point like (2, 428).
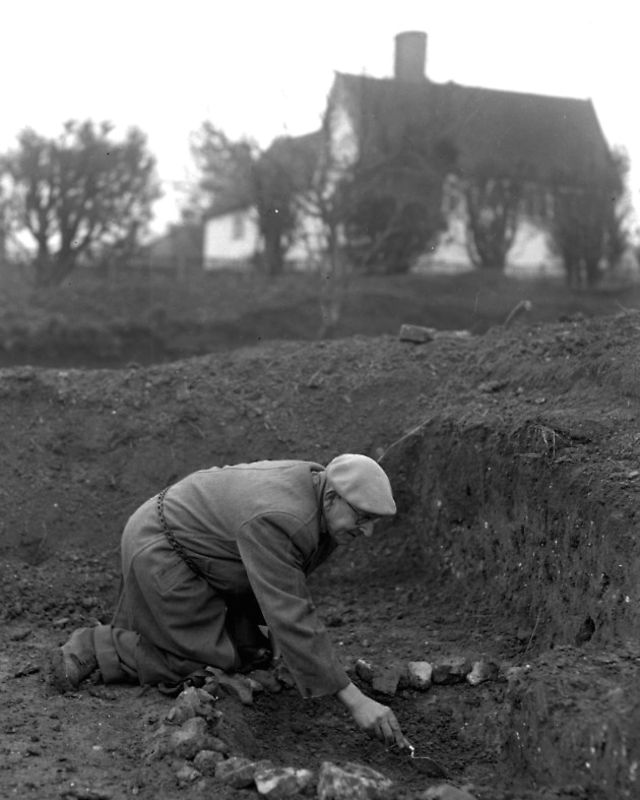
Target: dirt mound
(533, 430)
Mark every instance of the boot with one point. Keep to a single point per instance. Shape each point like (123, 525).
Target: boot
(70, 664)
(254, 658)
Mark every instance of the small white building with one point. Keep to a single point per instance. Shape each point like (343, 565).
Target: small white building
(231, 238)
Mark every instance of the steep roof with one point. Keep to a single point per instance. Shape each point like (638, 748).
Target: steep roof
(544, 136)
(222, 206)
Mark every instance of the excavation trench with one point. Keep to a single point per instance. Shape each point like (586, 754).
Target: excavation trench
(507, 548)
(520, 528)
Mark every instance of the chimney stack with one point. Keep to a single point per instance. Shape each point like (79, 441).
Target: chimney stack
(410, 56)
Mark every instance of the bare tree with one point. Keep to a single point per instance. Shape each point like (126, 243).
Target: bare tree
(320, 212)
(80, 193)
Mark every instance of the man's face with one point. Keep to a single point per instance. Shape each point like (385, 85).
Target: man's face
(346, 523)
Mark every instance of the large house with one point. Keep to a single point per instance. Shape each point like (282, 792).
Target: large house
(539, 138)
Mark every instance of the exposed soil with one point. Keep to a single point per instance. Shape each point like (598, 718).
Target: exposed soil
(82, 448)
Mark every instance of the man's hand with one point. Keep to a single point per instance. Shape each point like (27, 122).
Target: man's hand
(373, 717)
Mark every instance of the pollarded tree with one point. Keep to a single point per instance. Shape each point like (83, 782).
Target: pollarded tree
(5, 218)
(587, 220)
(492, 204)
(226, 170)
(80, 193)
(238, 174)
(393, 199)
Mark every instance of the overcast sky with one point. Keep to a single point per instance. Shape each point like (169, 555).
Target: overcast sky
(263, 67)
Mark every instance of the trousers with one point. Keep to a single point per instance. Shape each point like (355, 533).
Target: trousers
(170, 622)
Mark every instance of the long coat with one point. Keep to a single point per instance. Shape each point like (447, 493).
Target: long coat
(254, 532)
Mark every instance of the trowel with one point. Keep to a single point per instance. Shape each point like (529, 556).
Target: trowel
(425, 764)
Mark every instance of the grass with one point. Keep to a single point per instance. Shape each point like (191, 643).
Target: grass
(288, 306)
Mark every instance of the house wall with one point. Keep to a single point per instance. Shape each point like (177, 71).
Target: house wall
(230, 239)
(306, 252)
(344, 142)
(530, 254)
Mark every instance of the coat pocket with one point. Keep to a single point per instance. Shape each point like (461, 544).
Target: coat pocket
(171, 573)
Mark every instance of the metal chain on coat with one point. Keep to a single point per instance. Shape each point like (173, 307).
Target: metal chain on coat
(175, 544)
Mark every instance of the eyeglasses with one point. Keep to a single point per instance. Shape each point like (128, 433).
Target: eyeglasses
(362, 517)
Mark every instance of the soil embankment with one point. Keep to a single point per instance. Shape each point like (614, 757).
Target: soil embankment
(515, 463)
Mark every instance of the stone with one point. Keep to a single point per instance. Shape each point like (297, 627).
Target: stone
(189, 738)
(281, 782)
(255, 686)
(187, 773)
(239, 772)
(364, 670)
(189, 703)
(220, 746)
(284, 676)
(211, 686)
(492, 386)
(351, 781)
(451, 670)
(206, 762)
(419, 674)
(237, 686)
(387, 680)
(482, 671)
(416, 333)
(266, 679)
(445, 791)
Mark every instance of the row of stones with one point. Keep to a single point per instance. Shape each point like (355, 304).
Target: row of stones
(421, 675)
(188, 733)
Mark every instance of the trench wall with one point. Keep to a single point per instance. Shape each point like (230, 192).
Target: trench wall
(520, 520)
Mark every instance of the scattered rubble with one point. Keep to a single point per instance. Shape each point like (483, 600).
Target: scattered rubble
(281, 782)
(206, 761)
(351, 782)
(191, 702)
(189, 738)
(266, 679)
(483, 671)
(239, 772)
(451, 670)
(191, 732)
(239, 687)
(187, 773)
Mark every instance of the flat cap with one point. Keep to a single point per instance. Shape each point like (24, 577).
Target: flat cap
(363, 483)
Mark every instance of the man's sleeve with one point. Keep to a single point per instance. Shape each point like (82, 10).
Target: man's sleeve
(274, 568)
